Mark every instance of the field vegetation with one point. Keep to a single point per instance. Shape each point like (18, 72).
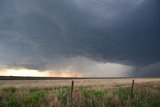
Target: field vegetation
(146, 94)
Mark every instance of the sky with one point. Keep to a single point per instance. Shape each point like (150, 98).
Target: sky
(80, 38)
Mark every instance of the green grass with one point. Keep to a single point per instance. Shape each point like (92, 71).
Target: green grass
(123, 93)
(94, 93)
(63, 94)
(34, 96)
(145, 95)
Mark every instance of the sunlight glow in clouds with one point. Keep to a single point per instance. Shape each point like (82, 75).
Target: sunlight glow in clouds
(72, 67)
(36, 73)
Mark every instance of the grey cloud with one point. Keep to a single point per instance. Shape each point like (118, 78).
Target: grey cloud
(88, 67)
(35, 33)
(150, 70)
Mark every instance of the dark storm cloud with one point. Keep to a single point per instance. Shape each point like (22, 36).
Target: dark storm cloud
(35, 33)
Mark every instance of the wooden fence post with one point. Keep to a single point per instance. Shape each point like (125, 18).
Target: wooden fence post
(72, 85)
(132, 93)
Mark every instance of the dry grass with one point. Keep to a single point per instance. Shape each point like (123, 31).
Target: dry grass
(78, 82)
(87, 93)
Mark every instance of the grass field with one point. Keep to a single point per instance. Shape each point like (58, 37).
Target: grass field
(86, 93)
